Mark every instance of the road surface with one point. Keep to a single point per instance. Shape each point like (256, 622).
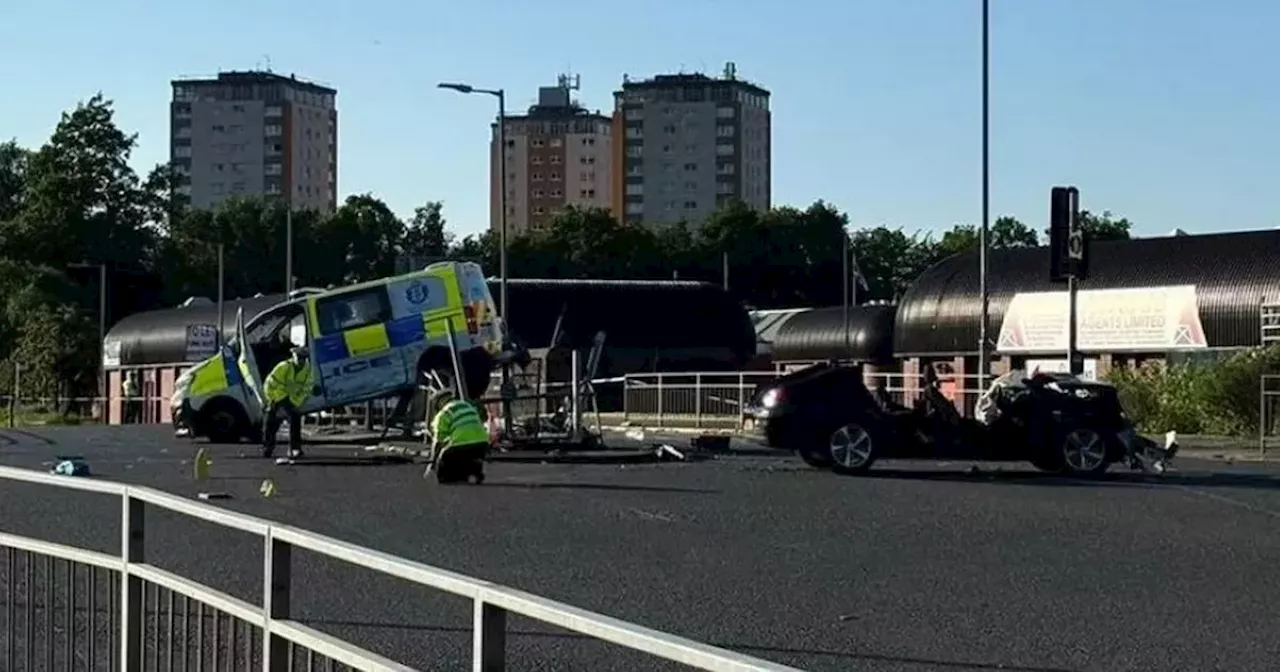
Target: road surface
(920, 566)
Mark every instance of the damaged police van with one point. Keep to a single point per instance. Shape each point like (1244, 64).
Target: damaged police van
(367, 341)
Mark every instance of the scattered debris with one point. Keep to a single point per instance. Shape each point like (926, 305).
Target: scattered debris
(636, 434)
(268, 488)
(70, 466)
(652, 515)
(213, 495)
(666, 451)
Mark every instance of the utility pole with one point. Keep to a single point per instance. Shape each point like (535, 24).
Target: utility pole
(983, 243)
(221, 284)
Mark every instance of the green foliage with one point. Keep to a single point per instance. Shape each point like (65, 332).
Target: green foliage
(75, 205)
(1215, 397)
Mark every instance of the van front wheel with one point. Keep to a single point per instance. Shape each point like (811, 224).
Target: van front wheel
(222, 421)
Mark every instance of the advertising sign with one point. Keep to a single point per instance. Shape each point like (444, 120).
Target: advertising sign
(111, 353)
(1144, 319)
(1088, 372)
(202, 342)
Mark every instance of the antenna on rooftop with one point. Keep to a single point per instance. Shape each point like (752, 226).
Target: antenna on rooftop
(569, 82)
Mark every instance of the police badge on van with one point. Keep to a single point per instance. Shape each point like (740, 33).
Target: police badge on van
(417, 293)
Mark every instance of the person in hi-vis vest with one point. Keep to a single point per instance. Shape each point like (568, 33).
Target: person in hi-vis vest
(459, 442)
(286, 388)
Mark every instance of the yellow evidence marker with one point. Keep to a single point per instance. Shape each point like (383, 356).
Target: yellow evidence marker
(201, 467)
(268, 488)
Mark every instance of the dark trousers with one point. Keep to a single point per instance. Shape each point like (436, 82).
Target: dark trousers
(458, 463)
(278, 412)
(132, 411)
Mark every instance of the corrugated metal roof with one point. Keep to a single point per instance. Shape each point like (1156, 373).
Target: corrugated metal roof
(665, 315)
(160, 336)
(768, 322)
(634, 314)
(1234, 273)
(818, 334)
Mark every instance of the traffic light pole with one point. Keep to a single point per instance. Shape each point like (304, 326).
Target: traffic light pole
(1074, 363)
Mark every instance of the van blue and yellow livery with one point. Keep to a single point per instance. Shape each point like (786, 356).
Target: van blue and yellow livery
(367, 341)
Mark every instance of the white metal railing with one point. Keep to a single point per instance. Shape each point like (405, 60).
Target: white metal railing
(279, 632)
(1268, 411)
(715, 400)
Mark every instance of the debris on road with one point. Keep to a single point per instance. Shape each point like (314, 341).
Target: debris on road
(70, 466)
(268, 488)
(213, 495)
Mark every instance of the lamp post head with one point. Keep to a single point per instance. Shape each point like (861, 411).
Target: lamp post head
(460, 88)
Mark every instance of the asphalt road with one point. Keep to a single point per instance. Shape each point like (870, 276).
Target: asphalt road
(918, 567)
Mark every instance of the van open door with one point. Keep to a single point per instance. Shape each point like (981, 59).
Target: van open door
(247, 364)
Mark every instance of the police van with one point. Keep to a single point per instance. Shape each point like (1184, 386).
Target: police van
(367, 341)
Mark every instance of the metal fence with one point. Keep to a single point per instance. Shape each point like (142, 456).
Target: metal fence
(715, 400)
(67, 608)
(1268, 412)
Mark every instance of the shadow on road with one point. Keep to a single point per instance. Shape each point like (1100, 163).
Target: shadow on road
(748, 649)
(1199, 480)
(534, 485)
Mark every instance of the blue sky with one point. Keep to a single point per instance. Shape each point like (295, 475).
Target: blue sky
(1164, 111)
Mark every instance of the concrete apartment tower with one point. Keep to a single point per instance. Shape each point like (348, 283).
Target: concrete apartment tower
(255, 133)
(685, 144)
(558, 155)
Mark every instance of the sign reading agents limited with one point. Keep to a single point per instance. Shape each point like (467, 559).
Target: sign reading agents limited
(1144, 319)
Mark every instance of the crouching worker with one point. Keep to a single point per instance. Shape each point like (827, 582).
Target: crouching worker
(459, 442)
(287, 388)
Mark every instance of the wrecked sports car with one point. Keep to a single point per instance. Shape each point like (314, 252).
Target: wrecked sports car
(1057, 422)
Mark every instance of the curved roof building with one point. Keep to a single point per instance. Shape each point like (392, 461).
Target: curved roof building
(818, 334)
(657, 316)
(1143, 295)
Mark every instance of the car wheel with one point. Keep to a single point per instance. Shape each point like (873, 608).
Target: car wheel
(224, 422)
(852, 449)
(1083, 451)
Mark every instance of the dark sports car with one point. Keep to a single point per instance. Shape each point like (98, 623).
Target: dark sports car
(1058, 422)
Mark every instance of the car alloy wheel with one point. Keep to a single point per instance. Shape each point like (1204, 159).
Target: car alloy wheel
(851, 446)
(1083, 450)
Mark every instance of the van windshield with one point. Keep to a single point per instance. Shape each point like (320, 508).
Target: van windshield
(475, 289)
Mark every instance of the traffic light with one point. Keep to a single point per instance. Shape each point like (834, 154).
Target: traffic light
(1068, 248)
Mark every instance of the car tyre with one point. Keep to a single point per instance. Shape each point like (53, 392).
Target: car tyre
(224, 421)
(1082, 452)
(853, 448)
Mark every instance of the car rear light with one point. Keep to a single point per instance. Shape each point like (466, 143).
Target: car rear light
(469, 312)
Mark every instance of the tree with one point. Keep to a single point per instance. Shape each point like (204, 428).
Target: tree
(425, 235)
(1105, 226)
(890, 260)
(83, 201)
(13, 179)
(1004, 233)
(364, 238)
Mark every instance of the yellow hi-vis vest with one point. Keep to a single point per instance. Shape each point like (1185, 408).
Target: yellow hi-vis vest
(458, 424)
(287, 381)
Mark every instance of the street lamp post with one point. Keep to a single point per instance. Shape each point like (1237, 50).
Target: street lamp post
(507, 392)
(502, 170)
(102, 330)
(983, 365)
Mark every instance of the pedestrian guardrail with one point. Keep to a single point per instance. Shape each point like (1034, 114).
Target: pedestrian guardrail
(258, 636)
(715, 400)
